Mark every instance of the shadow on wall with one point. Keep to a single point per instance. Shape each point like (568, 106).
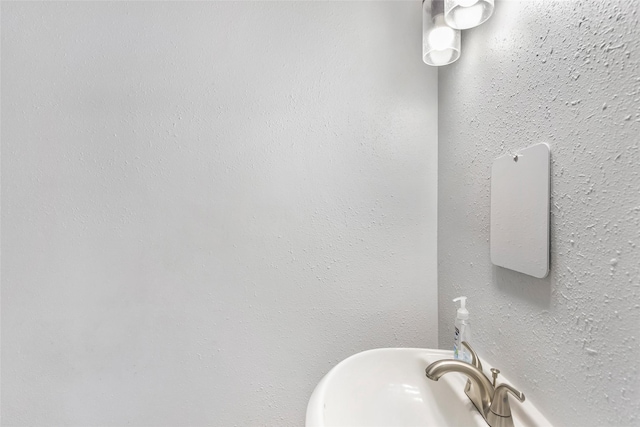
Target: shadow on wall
(524, 287)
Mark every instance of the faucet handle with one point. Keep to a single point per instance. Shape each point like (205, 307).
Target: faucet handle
(475, 360)
(500, 402)
(494, 373)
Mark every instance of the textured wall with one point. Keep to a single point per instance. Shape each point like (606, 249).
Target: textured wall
(566, 73)
(205, 206)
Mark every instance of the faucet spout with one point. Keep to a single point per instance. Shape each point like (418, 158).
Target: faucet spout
(481, 390)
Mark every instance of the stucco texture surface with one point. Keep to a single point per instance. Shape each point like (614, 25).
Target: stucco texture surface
(565, 73)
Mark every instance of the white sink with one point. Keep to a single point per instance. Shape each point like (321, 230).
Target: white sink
(388, 387)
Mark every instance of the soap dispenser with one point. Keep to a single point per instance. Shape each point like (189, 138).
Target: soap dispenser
(462, 331)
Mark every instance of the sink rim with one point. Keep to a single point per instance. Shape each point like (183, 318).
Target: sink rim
(524, 414)
(456, 381)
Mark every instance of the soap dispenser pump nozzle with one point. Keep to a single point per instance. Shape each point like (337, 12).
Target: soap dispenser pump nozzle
(463, 313)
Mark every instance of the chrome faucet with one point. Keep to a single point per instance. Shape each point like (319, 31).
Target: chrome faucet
(492, 402)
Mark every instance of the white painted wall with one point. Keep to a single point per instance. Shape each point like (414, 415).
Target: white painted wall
(206, 206)
(567, 73)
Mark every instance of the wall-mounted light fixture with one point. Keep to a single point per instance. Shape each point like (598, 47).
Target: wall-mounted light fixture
(463, 14)
(440, 42)
(442, 21)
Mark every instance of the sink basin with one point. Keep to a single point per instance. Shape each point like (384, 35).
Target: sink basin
(388, 387)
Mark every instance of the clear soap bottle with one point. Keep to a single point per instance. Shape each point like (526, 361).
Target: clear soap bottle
(462, 331)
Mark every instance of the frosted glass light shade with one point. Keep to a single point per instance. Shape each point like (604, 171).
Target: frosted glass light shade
(440, 42)
(463, 14)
